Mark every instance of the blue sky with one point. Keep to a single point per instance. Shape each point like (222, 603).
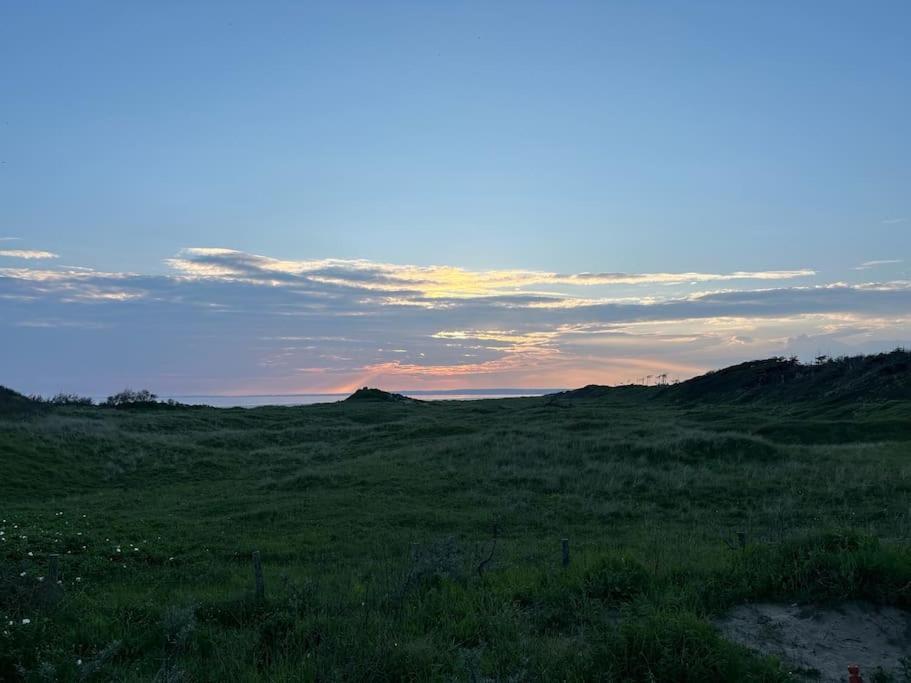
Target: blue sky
(336, 152)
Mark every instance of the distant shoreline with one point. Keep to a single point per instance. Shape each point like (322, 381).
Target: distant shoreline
(257, 400)
(406, 392)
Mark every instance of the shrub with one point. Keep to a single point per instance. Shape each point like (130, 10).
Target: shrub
(70, 400)
(817, 568)
(128, 397)
(844, 565)
(616, 580)
(665, 645)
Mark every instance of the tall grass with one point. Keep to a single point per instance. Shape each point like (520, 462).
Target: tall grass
(372, 521)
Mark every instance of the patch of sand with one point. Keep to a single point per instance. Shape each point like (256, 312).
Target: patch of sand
(819, 643)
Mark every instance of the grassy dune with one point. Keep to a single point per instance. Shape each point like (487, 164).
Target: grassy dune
(375, 519)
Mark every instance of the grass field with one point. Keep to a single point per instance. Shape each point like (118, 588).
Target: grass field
(422, 541)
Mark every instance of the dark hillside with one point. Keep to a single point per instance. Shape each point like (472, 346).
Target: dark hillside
(885, 376)
(880, 377)
(14, 403)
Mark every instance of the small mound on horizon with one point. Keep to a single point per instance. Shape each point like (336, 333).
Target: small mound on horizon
(378, 396)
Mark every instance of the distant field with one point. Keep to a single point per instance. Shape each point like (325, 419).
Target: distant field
(422, 541)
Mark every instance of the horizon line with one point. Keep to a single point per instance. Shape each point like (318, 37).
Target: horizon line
(494, 390)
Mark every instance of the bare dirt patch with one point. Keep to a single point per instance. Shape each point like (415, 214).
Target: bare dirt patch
(819, 643)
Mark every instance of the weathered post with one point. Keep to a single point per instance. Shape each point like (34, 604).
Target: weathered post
(53, 568)
(51, 590)
(260, 586)
(564, 543)
(742, 539)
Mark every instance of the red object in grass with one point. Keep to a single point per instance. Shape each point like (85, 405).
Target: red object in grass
(854, 674)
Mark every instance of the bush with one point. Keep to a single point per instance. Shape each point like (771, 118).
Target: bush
(663, 645)
(616, 580)
(128, 397)
(69, 400)
(818, 568)
(843, 565)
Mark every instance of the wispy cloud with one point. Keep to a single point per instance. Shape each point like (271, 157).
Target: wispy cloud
(28, 254)
(894, 221)
(225, 320)
(432, 282)
(56, 323)
(10, 239)
(882, 262)
(66, 274)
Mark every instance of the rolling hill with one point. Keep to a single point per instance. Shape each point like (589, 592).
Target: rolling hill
(880, 377)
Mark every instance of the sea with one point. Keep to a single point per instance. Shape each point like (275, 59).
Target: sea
(254, 401)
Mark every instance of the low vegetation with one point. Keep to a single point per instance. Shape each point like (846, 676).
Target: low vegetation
(414, 540)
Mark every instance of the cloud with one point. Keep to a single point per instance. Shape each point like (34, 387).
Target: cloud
(894, 221)
(28, 254)
(10, 239)
(228, 321)
(866, 265)
(66, 274)
(432, 282)
(52, 323)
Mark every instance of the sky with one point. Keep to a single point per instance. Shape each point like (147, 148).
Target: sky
(292, 197)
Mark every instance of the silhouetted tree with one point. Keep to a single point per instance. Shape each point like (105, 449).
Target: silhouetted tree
(129, 397)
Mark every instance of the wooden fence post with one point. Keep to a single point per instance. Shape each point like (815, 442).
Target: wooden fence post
(742, 539)
(260, 586)
(51, 590)
(53, 568)
(564, 543)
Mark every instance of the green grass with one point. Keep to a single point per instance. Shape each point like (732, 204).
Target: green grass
(372, 519)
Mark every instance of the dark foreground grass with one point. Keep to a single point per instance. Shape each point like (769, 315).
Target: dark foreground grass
(411, 541)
